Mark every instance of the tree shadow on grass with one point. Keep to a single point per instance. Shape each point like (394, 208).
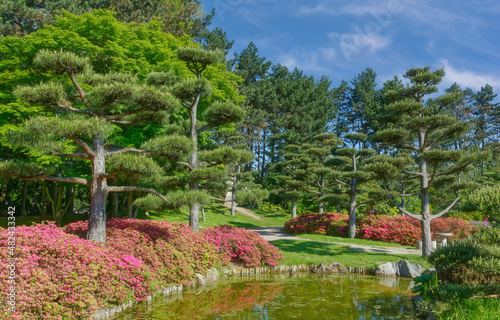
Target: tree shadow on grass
(331, 250)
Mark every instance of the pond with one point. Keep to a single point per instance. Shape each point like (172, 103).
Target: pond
(277, 297)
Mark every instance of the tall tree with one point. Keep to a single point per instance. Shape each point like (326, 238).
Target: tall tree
(423, 127)
(21, 17)
(91, 111)
(218, 113)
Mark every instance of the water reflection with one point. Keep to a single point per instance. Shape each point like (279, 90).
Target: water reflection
(268, 297)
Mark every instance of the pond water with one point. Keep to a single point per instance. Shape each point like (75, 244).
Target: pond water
(278, 297)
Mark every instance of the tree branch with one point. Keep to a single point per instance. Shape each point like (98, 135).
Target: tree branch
(342, 182)
(120, 122)
(220, 200)
(200, 130)
(42, 175)
(73, 155)
(121, 115)
(85, 146)
(70, 108)
(185, 164)
(414, 216)
(79, 89)
(124, 150)
(448, 208)
(128, 189)
(412, 172)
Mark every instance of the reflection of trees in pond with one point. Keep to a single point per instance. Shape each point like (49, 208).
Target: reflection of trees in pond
(306, 297)
(219, 300)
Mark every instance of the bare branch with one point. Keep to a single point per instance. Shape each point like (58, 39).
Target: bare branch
(452, 171)
(120, 122)
(220, 200)
(448, 208)
(400, 208)
(128, 189)
(124, 150)
(200, 130)
(121, 115)
(70, 108)
(185, 164)
(85, 146)
(413, 172)
(79, 89)
(42, 175)
(73, 155)
(342, 182)
(112, 174)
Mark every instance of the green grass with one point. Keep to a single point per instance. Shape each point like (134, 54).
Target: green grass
(478, 309)
(306, 252)
(364, 242)
(217, 214)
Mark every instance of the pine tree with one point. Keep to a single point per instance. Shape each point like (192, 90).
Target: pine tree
(218, 113)
(423, 127)
(352, 173)
(91, 110)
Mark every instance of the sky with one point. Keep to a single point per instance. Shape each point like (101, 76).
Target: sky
(340, 39)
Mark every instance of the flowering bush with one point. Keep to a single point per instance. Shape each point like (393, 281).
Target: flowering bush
(333, 224)
(243, 246)
(402, 230)
(61, 276)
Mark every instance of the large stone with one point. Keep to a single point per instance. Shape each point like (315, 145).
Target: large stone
(399, 269)
(333, 267)
(211, 277)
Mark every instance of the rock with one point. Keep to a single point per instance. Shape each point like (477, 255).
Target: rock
(429, 271)
(212, 275)
(333, 267)
(399, 269)
(200, 279)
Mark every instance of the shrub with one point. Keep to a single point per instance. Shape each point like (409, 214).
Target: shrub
(243, 246)
(333, 224)
(59, 275)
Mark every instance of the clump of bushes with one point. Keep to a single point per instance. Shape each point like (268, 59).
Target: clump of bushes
(60, 275)
(397, 229)
(332, 224)
(243, 247)
(473, 261)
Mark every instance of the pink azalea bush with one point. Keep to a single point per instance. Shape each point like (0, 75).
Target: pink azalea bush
(62, 276)
(402, 230)
(332, 224)
(242, 246)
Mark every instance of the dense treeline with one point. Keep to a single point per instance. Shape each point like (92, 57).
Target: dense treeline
(357, 146)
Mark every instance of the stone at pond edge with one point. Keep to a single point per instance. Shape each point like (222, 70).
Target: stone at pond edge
(399, 269)
(211, 277)
(333, 267)
(429, 271)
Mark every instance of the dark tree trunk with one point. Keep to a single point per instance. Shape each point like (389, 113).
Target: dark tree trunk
(294, 209)
(70, 189)
(98, 194)
(352, 209)
(113, 201)
(321, 204)
(44, 199)
(23, 199)
(130, 206)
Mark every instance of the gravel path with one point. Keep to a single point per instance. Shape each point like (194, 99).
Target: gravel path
(278, 233)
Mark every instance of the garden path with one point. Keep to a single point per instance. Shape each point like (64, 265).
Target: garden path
(278, 233)
(245, 211)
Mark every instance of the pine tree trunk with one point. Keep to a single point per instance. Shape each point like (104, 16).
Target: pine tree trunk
(233, 192)
(294, 209)
(194, 210)
(321, 204)
(130, 206)
(24, 213)
(44, 200)
(70, 189)
(424, 205)
(203, 213)
(113, 201)
(98, 194)
(352, 210)
(123, 206)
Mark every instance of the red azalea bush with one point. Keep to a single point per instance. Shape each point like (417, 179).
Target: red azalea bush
(332, 224)
(402, 230)
(243, 246)
(61, 276)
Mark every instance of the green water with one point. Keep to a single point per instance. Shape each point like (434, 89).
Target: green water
(267, 297)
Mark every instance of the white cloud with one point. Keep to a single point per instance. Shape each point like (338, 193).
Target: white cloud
(307, 60)
(319, 9)
(358, 42)
(466, 78)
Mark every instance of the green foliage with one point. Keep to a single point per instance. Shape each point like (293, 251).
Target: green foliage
(199, 56)
(60, 62)
(187, 89)
(486, 200)
(254, 196)
(220, 113)
(22, 169)
(169, 146)
(48, 94)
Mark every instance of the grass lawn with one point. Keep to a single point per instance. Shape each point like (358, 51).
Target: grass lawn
(306, 252)
(364, 242)
(479, 309)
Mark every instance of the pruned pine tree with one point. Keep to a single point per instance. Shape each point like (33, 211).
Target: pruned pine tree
(423, 127)
(219, 113)
(320, 170)
(88, 112)
(292, 177)
(352, 173)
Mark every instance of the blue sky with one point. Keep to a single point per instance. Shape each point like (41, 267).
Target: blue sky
(340, 38)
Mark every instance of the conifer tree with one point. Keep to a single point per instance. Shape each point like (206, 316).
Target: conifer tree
(218, 113)
(320, 170)
(422, 127)
(352, 173)
(292, 177)
(90, 110)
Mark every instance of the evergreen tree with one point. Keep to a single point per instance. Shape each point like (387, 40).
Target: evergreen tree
(320, 170)
(353, 174)
(91, 110)
(423, 127)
